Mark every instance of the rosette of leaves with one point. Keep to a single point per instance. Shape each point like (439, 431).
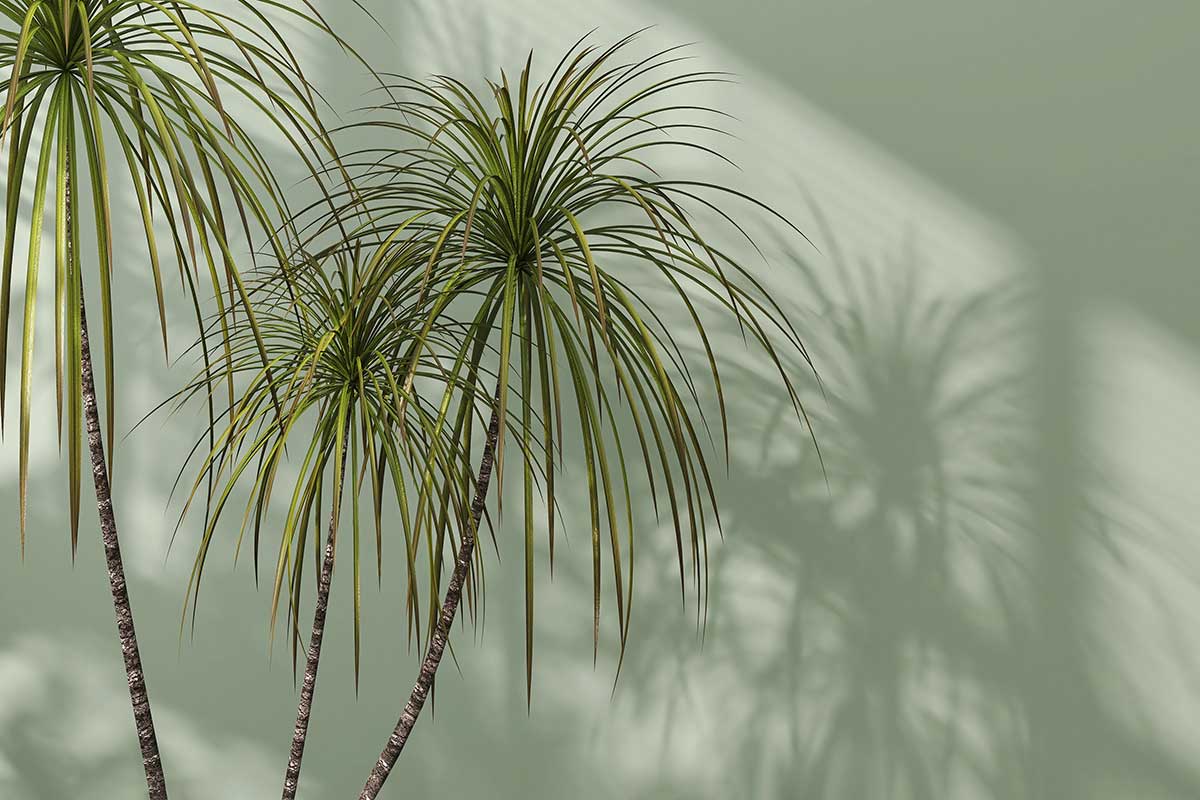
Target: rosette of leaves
(128, 98)
(560, 243)
(338, 393)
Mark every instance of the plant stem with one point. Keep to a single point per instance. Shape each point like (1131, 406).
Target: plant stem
(138, 696)
(291, 778)
(441, 633)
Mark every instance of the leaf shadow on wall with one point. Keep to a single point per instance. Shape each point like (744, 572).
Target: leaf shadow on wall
(877, 628)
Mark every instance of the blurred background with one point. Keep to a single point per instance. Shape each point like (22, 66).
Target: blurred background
(990, 592)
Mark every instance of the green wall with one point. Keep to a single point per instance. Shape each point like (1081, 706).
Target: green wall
(992, 595)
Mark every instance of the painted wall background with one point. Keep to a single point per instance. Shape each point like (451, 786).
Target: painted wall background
(994, 596)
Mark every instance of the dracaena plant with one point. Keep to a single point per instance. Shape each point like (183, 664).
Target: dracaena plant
(337, 390)
(557, 240)
(127, 98)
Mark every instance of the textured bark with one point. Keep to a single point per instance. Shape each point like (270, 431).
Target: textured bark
(151, 761)
(291, 778)
(441, 633)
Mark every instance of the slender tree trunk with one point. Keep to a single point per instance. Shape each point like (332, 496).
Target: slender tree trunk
(151, 761)
(441, 633)
(291, 778)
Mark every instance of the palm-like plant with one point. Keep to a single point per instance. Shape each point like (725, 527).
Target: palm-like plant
(336, 330)
(548, 229)
(94, 91)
